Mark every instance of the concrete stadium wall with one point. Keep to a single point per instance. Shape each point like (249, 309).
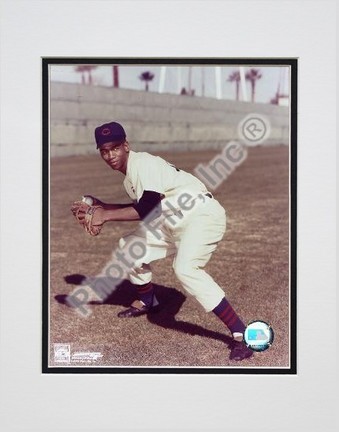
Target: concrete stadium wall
(152, 121)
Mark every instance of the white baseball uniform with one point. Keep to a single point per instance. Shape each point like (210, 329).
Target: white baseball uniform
(190, 226)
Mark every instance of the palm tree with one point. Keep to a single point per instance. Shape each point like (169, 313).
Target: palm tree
(147, 77)
(115, 76)
(83, 69)
(253, 75)
(235, 77)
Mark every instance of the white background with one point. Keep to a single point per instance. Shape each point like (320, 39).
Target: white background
(31, 401)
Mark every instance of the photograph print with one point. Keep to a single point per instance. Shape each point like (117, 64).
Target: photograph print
(169, 215)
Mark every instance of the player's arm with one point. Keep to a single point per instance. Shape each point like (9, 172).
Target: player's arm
(147, 207)
(108, 206)
(126, 213)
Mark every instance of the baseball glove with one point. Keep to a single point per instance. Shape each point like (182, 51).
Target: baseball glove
(84, 213)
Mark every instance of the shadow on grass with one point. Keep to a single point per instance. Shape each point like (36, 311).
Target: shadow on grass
(170, 300)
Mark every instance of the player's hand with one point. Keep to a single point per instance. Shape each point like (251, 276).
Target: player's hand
(87, 216)
(98, 218)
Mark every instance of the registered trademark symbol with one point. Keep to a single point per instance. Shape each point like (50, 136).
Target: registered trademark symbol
(254, 129)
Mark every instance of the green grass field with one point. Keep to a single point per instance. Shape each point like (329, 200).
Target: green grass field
(251, 264)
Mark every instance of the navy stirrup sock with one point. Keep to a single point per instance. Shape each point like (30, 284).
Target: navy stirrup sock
(146, 293)
(227, 314)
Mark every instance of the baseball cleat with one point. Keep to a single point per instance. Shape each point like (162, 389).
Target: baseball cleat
(239, 351)
(136, 309)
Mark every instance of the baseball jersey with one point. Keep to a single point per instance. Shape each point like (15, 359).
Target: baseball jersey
(146, 172)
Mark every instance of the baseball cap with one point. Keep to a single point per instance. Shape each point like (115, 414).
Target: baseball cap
(109, 132)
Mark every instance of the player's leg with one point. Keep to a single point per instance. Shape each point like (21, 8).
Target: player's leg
(140, 249)
(198, 240)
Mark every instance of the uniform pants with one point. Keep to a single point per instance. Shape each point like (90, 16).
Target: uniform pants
(191, 237)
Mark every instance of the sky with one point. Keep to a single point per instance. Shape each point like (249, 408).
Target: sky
(203, 79)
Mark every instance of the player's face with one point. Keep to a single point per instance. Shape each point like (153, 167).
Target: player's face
(115, 155)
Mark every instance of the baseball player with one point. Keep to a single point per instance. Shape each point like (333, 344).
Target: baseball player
(180, 218)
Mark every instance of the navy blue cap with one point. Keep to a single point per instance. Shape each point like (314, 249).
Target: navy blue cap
(109, 132)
